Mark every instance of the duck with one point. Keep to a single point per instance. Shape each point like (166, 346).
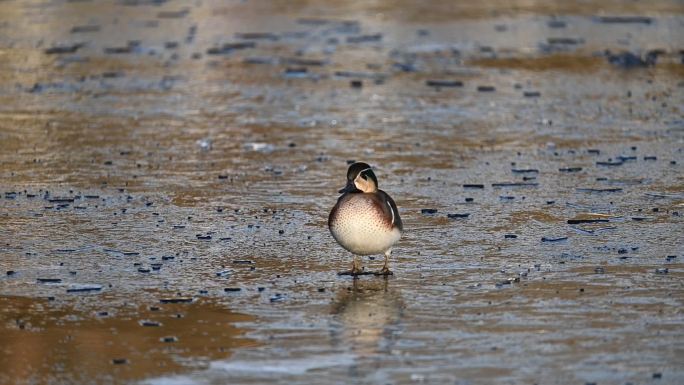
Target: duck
(365, 220)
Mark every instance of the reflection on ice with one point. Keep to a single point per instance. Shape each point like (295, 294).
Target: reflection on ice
(368, 311)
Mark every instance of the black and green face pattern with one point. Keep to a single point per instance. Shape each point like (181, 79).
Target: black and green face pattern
(361, 168)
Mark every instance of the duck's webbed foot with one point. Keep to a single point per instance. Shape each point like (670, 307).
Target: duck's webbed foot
(356, 273)
(356, 269)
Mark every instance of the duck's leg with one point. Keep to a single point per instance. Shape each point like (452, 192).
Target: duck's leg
(385, 268)
(356, 270)
(356, 266)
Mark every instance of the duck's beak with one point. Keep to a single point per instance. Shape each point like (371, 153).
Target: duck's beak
(349, 187)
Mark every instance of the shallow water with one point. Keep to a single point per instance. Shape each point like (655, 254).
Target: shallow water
(157, 164)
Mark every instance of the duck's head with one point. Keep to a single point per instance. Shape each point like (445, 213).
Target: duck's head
(360, 177)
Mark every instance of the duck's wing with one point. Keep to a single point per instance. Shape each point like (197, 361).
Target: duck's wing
(390, 209)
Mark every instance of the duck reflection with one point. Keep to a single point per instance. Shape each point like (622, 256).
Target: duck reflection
(369, 314)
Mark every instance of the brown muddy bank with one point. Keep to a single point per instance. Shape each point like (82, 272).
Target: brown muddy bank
(167, 168)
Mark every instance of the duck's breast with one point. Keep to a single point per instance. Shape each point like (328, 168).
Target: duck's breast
(362, 225)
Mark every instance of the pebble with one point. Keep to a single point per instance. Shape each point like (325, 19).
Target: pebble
(242, 262)
(63, 49)
(298, 72)
(61, 200)
(259, 60)
(49, 280)
(444, 83)
(456, 215)
(508, 281)
(662, 270)
(627, 60)
(364, 38)
(610, 163)
(85, 29)
(626, 158)
(257, 36)
(149, 323)
(553, 239)
(410, 67)
(173, 14)
(362, 75)
(600, 190)
(129, 48)
(229, 48)
(556, 24)
(428, 211)
(580, 221)
(564, 41)
(278, 297)
(296, 61)
(119, 361)
(515, 184)
(177, 300)
(570, 169)
(624, 19)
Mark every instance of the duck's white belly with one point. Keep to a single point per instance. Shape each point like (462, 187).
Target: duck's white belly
(361, 229)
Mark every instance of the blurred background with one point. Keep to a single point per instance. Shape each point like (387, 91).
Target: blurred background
(167, 168)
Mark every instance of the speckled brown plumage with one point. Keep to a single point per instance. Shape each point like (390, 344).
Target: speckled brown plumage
(362, 223)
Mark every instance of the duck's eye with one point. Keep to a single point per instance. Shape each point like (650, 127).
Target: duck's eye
(364, 177)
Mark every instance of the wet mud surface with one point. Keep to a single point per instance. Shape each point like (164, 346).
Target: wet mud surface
(167, 168)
